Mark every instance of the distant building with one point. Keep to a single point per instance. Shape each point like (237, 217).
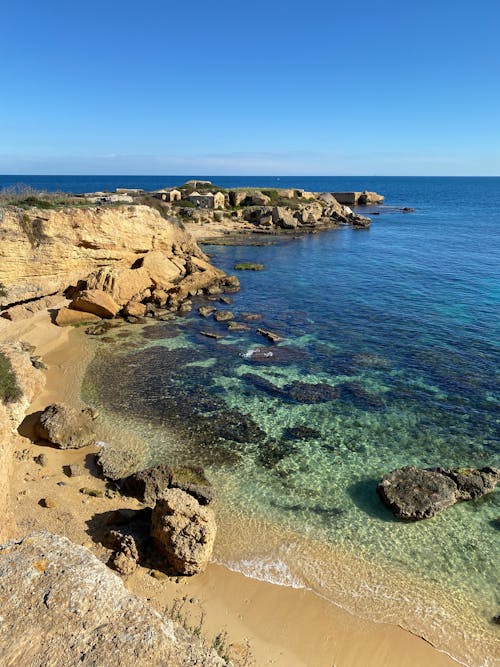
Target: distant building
(207, 200)
(169, 195)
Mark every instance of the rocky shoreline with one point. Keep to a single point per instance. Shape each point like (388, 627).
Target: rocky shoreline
(88, 266)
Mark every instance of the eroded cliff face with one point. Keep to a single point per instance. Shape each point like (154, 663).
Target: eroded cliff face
(44, 251)
(30, 381)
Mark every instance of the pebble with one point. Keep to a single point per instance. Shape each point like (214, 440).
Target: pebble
(41, 459)
(48, 502)
(74, 470)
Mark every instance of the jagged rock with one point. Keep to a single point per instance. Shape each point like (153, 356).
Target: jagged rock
(116, 463)
(257, 198)
(126, 555)
(223, 315)
(122, 284)
(147, 485)
(184, 531)
(74, 470)
(62, 606)
(192, 480)
(231, 283)
(66, 427)
(95, 301)
(416, 493)
(273, 337)
(206, 311)
(161, 270)
(135, 309)
(471, 483)
(236, 197)
(67, 317)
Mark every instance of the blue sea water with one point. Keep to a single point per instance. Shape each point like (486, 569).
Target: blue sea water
(402, 321)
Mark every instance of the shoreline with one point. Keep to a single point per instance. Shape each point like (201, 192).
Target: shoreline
(283, 625)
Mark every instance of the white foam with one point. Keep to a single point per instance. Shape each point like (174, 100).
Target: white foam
(249, 353)
(266, 568)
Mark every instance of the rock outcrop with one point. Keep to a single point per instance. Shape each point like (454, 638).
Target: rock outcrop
(184, 531)
(42, 251)
(95, 301)
(149, 484)
(66, 427)
(62, 606)
(416, 493)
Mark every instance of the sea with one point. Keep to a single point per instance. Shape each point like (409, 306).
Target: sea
(390, 357)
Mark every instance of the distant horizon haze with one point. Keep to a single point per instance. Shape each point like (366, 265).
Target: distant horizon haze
(239, 89)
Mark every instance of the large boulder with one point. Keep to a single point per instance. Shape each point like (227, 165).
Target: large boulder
(147, 485)
(184, 531)
(162, 271)
(67, 317)
(62, 606)
(416, 493)
(66, 427)
(122, 285)
(95, 301)
(257, 198)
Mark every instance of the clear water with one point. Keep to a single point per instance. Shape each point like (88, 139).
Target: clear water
(401, 319)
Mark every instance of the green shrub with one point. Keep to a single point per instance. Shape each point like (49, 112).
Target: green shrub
(10, 391)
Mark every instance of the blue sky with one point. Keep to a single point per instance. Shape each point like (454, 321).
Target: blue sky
(343, 88)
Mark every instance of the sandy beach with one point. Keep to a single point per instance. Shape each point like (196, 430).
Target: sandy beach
(275, 624)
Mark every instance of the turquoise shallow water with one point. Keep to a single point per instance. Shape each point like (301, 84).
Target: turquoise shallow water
(398, 329)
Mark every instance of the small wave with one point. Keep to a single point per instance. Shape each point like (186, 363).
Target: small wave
(249, 353)
(266, 568)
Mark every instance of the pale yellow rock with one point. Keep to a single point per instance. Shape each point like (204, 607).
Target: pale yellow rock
(135, 308)
(97, 302)
(44, 251)
(67, 317)
(161, 270)
(122, 285)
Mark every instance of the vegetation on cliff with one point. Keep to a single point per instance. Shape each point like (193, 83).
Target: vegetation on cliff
(10, 390)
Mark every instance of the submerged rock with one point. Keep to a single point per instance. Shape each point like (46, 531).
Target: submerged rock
(308, 392)
(184, 531)
(66, 427)
(416, 493)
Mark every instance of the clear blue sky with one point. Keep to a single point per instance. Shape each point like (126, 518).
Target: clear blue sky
(385, 87)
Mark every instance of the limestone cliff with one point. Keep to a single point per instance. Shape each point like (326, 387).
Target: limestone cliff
(43, 251)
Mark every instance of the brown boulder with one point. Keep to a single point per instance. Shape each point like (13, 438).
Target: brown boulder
(95, 301)
(135, 309)
(67, 317)
(66, 427)
(122, 285)
(184, 531)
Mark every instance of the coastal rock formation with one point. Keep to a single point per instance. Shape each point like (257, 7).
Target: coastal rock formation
(30, 381)
(66, 427)
(42, 251)
(147, 485)
(62, 606)
(416, 493)
(67, 317)
(184, 531)
(95, 301)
